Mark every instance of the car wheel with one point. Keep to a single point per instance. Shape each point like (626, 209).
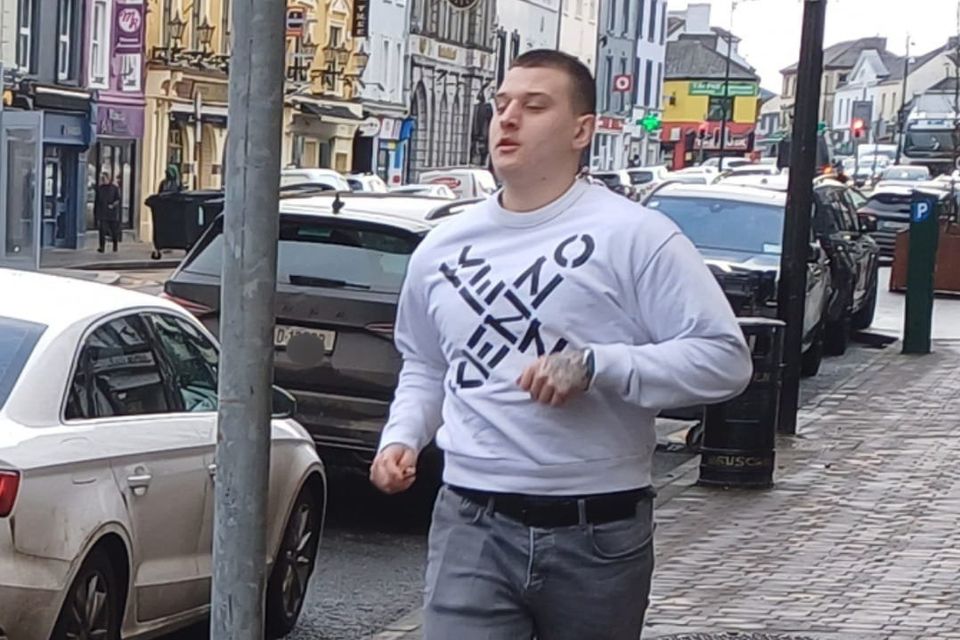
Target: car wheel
(92, 606)
(296, 557)
(863, 318)
(837, 336)
(812, 357)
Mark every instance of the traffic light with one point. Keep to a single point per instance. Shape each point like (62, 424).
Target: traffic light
(702, 131)
(857, 127)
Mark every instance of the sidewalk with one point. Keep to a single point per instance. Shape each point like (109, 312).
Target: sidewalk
(131, 254)
(859, 538)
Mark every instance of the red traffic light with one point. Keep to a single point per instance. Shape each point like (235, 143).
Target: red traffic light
(857, 126)
(702, 130)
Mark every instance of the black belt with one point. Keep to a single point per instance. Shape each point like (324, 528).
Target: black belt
(548, 512)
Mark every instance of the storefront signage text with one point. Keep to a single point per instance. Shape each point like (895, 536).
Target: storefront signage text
(715, 88)
(361, 18)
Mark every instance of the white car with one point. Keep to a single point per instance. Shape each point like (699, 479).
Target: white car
(108, 431)
(367, 182)
(431, 190)
(466, 182)
(323, 177)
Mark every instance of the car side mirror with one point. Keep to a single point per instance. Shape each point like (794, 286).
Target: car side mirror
(284, 404)
(815, 253)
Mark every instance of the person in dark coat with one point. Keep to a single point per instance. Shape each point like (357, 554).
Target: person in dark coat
(171, 182)
(106, 211)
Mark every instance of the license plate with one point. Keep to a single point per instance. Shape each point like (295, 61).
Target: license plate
(283, 334)
(892, 226)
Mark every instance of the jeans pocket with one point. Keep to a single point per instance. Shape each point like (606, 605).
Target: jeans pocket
(623, 539)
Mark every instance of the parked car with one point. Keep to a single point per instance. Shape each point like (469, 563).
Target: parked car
(853, 252)
(739, 231)
(329, 177)
(108, 432)
(644, 179)
(887, 210)
(903, 175)
(728, 163)
(339, 277)
(465, 182)
(431, 190)
(367, 182)
(750, 170)
(616, 181)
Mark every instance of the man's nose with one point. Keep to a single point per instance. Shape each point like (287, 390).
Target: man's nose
(510, 116)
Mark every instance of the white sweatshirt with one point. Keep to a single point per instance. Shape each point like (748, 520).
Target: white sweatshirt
(490, 291)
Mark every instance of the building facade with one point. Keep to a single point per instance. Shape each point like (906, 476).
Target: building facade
(648, 72)
(877, 79)
(616, 84)
(114, 69)
(385, 94)
(579, 20)
(524, 25)
(695, 105)
(452, 75)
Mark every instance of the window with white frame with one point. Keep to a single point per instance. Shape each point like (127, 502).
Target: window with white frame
(397, 74)
(386, 79)
(65, 21)
(25, 10)
(99, 44)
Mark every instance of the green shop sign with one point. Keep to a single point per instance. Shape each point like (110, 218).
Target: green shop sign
(715, 88)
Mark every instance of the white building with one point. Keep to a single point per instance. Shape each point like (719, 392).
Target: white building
(695, 21)
(578, 30)
(524, 25)
(385, 96)
(648, 74)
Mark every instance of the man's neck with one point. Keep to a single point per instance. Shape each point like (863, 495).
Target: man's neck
(526, 197)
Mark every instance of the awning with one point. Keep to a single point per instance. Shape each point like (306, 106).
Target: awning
(333, 113)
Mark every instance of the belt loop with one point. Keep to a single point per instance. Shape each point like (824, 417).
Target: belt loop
(582, 511)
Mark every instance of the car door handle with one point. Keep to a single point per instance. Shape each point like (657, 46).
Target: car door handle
(139, 483)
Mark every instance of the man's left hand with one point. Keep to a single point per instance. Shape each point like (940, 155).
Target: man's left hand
(556, 378)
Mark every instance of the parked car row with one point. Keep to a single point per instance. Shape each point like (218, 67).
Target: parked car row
(445, 182)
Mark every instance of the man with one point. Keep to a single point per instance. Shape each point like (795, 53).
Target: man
(541, 332)
(106, 211)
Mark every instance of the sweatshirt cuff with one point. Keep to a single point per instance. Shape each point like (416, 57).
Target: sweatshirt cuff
(397, 436)
(612, 370)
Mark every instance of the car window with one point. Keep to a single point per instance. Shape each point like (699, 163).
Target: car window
(843, 210)
(17, 340)
(324, 253)
(725, 224)
(609, 179)
(117, 374)
(356, 185)
(889, 203)
(641, 177)
(193, 360)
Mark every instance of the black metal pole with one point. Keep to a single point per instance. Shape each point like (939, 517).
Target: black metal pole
(726, 99)
(796, 228)
(901, 120)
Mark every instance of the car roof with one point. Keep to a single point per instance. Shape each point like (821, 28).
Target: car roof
(414, 213)
(722, 191)
(58, 301)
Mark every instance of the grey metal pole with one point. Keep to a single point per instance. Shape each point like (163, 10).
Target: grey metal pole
(726, 98)
(248, 289)
(796, 229)
(901, 120)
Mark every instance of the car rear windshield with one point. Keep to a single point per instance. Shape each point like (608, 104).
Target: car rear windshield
(889, 202)
(324, 254)
(641, 177)
(17, 339)
(715, 223)
(906, 173)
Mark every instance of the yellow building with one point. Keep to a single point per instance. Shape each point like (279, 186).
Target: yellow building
(187, 88)
(694, 105)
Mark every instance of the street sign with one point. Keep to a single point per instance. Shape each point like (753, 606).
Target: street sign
(921, 264)
(296, 19)
(361, 18)
(622, 83)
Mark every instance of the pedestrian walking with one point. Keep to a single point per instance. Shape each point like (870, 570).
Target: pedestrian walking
(106, 211)
(541, 333)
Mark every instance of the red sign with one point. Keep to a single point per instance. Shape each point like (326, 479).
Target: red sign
(608, 123)
(296, 19)
(623, 83)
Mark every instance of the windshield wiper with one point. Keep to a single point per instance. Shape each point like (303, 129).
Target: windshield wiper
(315, 281)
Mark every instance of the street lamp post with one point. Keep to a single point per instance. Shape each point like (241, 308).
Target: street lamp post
(901, 116)
(726, 100)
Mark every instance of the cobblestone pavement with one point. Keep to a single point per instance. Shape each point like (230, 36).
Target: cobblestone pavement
(859, 539)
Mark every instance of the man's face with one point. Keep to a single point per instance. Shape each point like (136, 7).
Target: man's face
(104, 179)
(535, 128)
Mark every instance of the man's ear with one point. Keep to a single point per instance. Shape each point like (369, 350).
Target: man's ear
(586, 125)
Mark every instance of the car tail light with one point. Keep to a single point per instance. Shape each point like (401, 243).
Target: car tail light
(9, 486)
(195, 308)
(382, 329)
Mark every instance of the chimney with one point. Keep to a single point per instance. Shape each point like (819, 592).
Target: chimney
(698, 18)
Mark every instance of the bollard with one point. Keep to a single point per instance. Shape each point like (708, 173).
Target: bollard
(739, 435)
(924, 235)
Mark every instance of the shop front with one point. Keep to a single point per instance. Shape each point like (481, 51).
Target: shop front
(611, 144)
(320, 133)
(380, 147)
(117, 153)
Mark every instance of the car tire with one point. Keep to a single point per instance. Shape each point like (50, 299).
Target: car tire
(837, 336)
(863, 318)
(812, 357)
(92, 606)
(294, 564)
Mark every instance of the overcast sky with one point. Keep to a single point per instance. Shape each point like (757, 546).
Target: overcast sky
(771, 28)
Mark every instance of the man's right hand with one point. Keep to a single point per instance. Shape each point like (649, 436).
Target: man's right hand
(394, 469)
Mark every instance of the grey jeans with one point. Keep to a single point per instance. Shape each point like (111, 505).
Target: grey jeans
(492, 578)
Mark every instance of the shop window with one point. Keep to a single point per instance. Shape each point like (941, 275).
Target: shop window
(99, 44)
(720, 107)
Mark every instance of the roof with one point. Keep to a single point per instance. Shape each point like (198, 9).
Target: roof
(752, 195)
(692, 59)
(59, 301)
(416, 214)
(844, 55)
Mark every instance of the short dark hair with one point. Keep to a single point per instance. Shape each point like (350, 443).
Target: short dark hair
(581, 80)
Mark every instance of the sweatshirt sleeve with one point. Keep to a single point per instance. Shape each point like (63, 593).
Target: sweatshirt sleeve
(697, 353)
(415, 413)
